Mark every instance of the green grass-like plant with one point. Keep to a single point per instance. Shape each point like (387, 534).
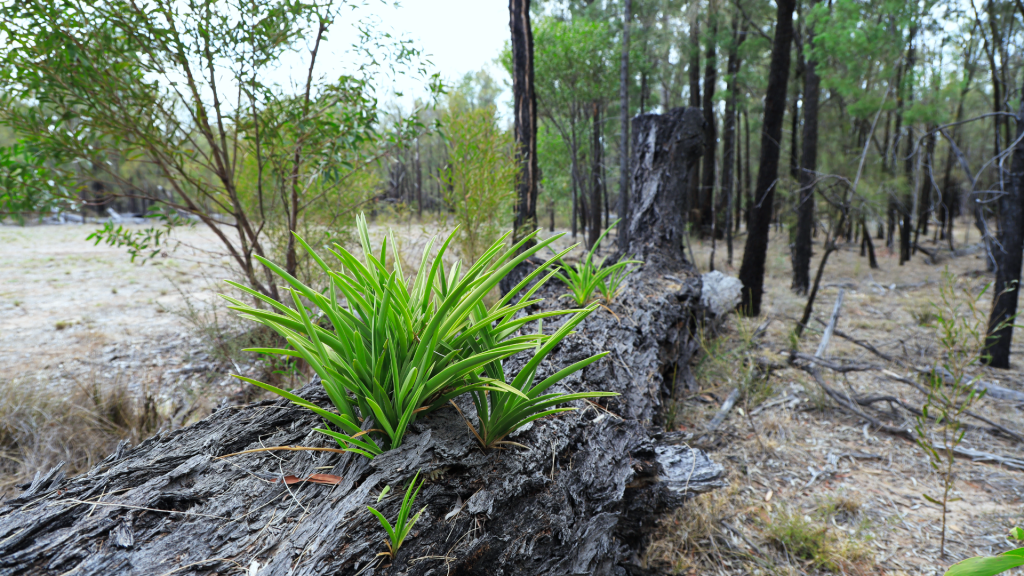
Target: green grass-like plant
(400, 349)
(991, 565)
(404, 523)
(587, 276)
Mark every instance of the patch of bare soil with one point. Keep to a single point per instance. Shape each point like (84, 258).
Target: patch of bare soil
(94, 348)
(815, 489)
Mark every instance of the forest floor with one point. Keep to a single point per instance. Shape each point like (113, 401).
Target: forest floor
(95, 348)
(812, 488)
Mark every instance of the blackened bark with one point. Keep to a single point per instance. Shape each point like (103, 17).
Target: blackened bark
(578, 498)
(866, 239)
(740, 189)
(627, 19)
(752, 269)
(707, 187)
(907, 204)
(665, 148)
(924, 196)
(1008, 252)
(693, 188)
(729, 134)
(525, 118)
(595, 176)
(748, 189)
(809, 165)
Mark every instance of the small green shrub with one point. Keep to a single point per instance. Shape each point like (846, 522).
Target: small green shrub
(398, 351)
(404, 523)
(587, 277)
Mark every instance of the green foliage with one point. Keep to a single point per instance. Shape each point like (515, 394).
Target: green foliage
(397, 350)
(478, 180)
(26, 184)
(961, 323)
(192, 90)
(587, 276)
(502, 411)
(147, 242)
(991, 565)
(404, 523)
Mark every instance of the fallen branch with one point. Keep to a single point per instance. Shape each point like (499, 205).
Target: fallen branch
(979, 456)
(724, 410)
(999, 427)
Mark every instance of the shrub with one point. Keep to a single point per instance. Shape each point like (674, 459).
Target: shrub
(399, 350)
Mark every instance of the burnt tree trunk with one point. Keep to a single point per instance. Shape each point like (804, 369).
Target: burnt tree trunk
(707, 187)
(627, 19)
(729, 146)
(595, 176)
(577, 493)
(525, 221)
(578, 497)
(1007, 253)
(807, 175)
(693, 189)
(752, 269)
(665, 149)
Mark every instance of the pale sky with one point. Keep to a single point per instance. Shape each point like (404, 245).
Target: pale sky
(459, 36)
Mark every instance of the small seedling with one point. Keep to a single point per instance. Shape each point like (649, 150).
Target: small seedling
(991, 565)
(588, 277)
(404, 523)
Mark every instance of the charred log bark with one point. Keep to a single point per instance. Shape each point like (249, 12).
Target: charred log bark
(665, 150)
(577, 498)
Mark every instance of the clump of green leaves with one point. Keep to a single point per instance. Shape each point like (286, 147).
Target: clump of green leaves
(960, 322)
(503, 411)
(588, 276)
(404, 523)
(399, 349)
(991, 565)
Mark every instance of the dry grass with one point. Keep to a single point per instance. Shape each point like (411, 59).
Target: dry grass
(41, 426)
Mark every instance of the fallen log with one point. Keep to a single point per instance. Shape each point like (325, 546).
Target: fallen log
(576, 493)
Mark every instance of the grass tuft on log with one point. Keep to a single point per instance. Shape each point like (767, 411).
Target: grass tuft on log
(398, 350)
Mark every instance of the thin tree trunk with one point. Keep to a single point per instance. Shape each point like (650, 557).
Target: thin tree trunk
(1008, 252)
(693, 205)
(525, 118)
(906, 205)
(809, 166)
(707, 187)
(729, 135)
(627, 18)
(752, 269)
(595, 176)
(748, 188)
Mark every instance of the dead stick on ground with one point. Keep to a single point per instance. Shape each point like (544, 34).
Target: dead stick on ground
(845, 403)
(724, 410)
(1011, 433)
(831, 326)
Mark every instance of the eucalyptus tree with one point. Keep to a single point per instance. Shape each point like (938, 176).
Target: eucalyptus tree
(525, 102)
(189, 87)
(752, 268)
(574, 74)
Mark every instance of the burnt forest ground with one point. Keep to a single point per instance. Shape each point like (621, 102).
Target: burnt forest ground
(95, 348)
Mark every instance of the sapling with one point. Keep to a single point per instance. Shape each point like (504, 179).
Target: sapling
(961, 324)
